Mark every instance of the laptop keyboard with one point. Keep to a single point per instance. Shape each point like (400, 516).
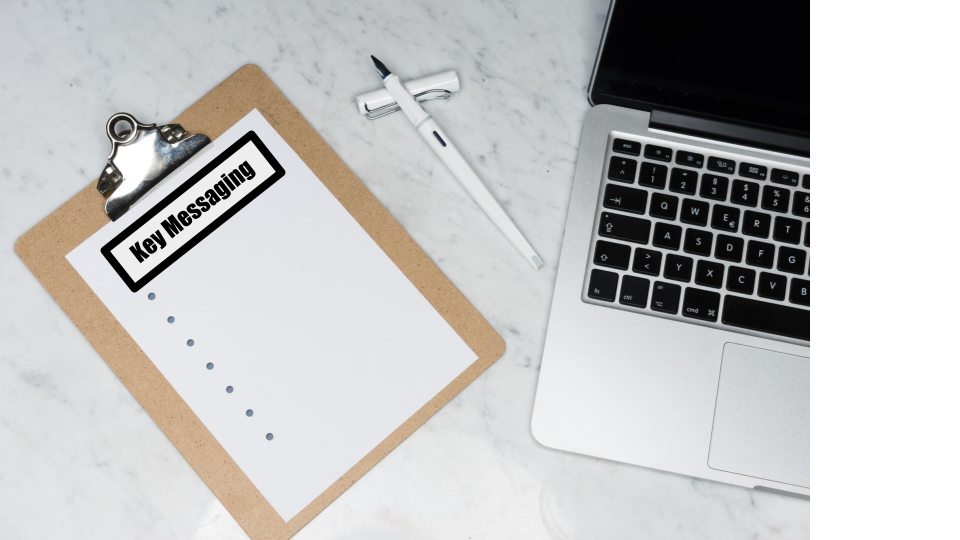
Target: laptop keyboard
(704, 238)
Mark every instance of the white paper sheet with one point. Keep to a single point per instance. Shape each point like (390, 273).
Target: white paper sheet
(300, 312)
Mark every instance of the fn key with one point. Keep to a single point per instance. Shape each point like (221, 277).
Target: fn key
(603, 285)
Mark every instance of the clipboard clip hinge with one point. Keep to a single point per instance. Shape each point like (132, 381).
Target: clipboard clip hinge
(142, 155)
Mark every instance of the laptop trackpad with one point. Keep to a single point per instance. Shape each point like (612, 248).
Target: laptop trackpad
(761, 425)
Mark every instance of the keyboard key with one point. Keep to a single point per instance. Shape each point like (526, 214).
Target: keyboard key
(800, 291)
(665, 298)
(633, 291)
(622, 169)
(775, 198)
(664, 206)
(689, 159)
(714, 187)
(624, 146)
(626, 228)
(766, 317)
(612, 255)
(699, 304)
(721, 165)
(694, 212)
(760, 254)
(801, 204)
(658, 152)
(709, 273)
(647, 261)
(625, 199)
(653, 175)
(745, 193)
(806, 236)
(698, 242)
(787, 230)
(729, 248)
(806, 182)
(683, 181)
(667, 236)
(741, 280)
(725, 218)
(791, 260)
(772, 286)
(678, 268)
(603, 285)
(749, 170)
(786, 178)
(756, 224)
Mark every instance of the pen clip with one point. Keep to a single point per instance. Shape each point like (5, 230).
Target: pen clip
(426, 95)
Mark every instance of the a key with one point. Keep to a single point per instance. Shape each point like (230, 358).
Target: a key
(749, 170)
(667, 236)
(689, 159)
(741, 280)
(775, 198)
(787, 230)
(721, 165)
(714, 187)
(766, 317)
(678, 267)
(801, 204)
(625, 199)
(772, 286)
(658, 153)
(683, 181)
(626, 228)
(756, 224)
(647, 261)
(806, 182)
(603, 285)
(806, 235)
(709, 274)
(665, 297)
(791, 260)
(729, 248)
(725, 218)
(622, 169)
(698, 242)
(623, 146)
(760, 254)
(745, 193)
(694, 212)
(664, 206)
(700, 304)
(800, 291)
(786, 178)
(653, 175)
(612, 255)
(634, 290)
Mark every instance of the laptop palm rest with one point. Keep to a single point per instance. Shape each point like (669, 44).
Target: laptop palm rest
(761, 424)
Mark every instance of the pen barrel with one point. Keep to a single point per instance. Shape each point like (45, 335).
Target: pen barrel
(408, 104)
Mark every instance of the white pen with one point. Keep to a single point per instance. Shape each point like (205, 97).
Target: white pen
(448, 154)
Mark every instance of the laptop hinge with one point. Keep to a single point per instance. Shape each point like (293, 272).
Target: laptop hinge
(777, 141)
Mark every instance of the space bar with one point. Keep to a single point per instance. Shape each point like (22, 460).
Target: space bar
(766, 317)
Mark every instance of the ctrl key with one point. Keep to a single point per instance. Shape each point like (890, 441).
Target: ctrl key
(634, 291)
(603, 285)
(666, 297)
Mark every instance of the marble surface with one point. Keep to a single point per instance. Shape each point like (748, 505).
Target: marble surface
(78, 456)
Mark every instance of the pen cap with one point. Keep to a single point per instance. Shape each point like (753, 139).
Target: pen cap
(438, 86)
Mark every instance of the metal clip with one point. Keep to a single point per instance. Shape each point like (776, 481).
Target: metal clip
(426, 95)
(141, 157)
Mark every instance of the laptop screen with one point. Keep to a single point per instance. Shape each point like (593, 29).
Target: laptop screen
(743, 61)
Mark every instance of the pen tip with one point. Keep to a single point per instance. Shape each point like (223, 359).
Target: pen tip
(381, 69)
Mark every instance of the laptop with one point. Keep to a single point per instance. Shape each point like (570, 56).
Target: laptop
(679, 334)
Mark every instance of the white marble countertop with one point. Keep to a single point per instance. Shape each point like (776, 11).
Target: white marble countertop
(79, 458)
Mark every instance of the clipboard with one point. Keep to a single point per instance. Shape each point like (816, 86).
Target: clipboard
(44, 247)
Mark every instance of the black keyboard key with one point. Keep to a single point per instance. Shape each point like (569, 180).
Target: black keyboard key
(745, 193)
(653, 175)
(664, 206)
(698, 242)
(766, 317)
(786, 178)
(760, 254)
(756, 224)
(622, 169)
(647, 261)
(625, 199)
(624, 146)
(634, 290)
(741, 280)
(800, 291)
(678, 268)
(787, 230)
(626, 228)
(603, 285)
(775, 198)
(725, 218)
(612, 255)
(729, 248)
(709, 274)
(689, 159)
(721, 165)
(667, 236)
(703, 305)
(801, 204)
(665, 298)
(714, 187)
(791, 260)
(806, 182)
(694, 212)
(683, 181)
(749, 170)
(772, 286)
(658, 153)
(806, 236)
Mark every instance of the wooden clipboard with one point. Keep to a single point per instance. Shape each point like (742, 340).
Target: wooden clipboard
(44, 247)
